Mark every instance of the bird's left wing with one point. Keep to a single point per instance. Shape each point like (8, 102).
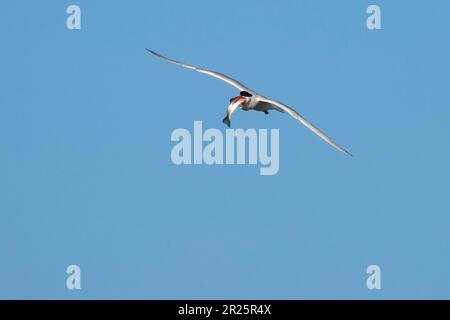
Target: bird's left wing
(215, 74)
(306, 123)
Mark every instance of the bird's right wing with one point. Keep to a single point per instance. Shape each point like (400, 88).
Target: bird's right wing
(307, 124)
(215, 74)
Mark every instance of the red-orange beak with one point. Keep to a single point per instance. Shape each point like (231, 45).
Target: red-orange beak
(239, 98)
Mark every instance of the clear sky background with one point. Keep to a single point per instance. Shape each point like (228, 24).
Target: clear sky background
(86, 176)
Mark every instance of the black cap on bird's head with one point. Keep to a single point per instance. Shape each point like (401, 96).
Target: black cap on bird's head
(245, 94)
(242, 94)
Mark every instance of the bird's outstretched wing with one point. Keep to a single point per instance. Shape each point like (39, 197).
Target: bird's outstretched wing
(305, 122)
(218, 75)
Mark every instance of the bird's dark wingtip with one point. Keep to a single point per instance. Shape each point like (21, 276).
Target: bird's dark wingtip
(154, 53)
(344, 151)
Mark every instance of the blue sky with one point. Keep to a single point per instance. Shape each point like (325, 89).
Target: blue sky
(86, 176)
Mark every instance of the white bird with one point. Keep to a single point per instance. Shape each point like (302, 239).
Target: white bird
(250, 100)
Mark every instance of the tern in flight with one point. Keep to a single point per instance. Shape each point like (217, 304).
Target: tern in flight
(250, 100)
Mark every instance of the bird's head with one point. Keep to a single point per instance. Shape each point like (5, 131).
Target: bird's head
(243, 97)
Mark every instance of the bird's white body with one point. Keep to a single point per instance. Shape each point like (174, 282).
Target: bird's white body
(250, 100)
